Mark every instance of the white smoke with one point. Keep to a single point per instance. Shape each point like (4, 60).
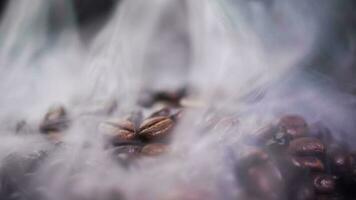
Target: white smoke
(241, 58)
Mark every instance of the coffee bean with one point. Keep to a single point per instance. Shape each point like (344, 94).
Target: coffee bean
(265, 181)
(118, 130)
(293, 125)
(324, 183)
(155, 127)
(307, 162)
(55, 120)
(172, 97)
(306, 146)
(253, 158)
(302, 191)
(154, 149)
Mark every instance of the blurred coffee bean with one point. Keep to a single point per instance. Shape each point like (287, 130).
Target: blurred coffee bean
(172, 97)
(265, 181)
(302, 191)
(155, 127)
(324, 183)
(154, 149)
(306, 146)
(307, 162)
(118, 130)
(293, 125)
(252, 158)
(55, 120)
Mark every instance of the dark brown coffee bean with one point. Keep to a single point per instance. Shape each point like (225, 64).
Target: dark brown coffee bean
(307, 162)
(118, 130)
(172, 97)
(154, 149)
(155, 127)
(253, 158)
(55, 120)
(324, 183)
(306, 146)
(293, 125)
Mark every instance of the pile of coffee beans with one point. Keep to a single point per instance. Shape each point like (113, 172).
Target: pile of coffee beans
(291, 159)
(298, 162)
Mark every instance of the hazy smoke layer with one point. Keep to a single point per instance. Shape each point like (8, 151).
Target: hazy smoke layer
(243, 58)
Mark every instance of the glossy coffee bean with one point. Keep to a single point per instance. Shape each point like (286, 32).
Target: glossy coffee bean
(293, 125)
(306, 146)
(308, 162)
(155, 127)
(324, 183)
(118, 130)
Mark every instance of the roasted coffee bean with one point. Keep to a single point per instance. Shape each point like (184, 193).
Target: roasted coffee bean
(265, 181)
(293, 125)
(172, 97)
(307, 162)
(54, 120)
(324, 183)
(306, 146)
(253, 158)
(154, 149)
(155, 127)
(118, 130)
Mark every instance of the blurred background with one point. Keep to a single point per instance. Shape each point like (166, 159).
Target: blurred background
(334, 56)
